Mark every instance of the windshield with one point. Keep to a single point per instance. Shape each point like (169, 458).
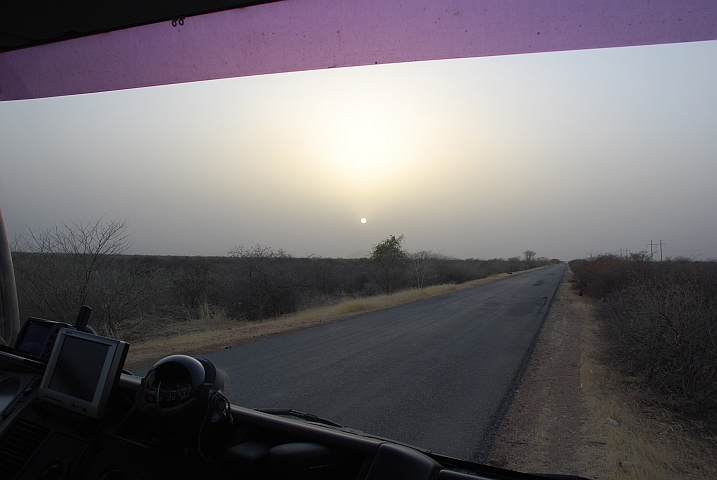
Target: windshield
(281, 188)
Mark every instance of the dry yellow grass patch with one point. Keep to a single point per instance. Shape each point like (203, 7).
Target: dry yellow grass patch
(214, 331)
(628, 452)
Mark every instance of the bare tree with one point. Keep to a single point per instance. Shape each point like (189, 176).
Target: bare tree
(421, 263)
(65, 267)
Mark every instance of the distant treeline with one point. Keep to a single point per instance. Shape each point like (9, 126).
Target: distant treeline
(60, 269)
(253, 284)
(661, 322)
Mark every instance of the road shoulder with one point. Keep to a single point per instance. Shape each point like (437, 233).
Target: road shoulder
(538, 433)
(573, 415)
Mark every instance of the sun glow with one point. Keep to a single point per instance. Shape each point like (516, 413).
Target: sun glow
(365, 145)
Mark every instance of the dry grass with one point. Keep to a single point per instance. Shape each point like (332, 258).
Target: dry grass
(628, 453)
(213, 330)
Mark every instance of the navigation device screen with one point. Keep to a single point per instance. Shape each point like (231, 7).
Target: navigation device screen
(35, 337)
(79, 367)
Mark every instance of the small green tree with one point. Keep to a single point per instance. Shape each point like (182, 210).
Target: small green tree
(390, 261)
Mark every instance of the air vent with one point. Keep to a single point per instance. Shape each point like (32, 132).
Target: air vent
(18, 446)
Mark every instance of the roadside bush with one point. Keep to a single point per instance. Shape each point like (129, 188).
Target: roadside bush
(334, 276)
(266, 282)
(190, 284)
(666, 332)
(661, 321)
(454, 271)
(603, 276)
(608, 274)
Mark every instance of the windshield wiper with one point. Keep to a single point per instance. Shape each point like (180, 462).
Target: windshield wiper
(304, 416)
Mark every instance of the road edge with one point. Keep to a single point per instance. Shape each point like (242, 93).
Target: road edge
(490, 432)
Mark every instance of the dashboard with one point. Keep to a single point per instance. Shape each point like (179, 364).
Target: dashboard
(145, 431)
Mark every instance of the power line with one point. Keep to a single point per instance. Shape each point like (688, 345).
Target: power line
(661, 244)
(651, 245)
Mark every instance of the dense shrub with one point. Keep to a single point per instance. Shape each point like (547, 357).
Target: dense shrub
(666, 331)
(266, 282)
(190, 283)
(608, 274)
(454, 271)
(661, 320)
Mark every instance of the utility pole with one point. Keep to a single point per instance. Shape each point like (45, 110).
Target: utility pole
(661, 244)
(650, 245)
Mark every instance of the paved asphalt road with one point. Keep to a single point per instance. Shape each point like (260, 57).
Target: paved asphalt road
(431, 373)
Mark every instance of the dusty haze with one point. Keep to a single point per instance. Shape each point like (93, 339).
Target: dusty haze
(566, 153)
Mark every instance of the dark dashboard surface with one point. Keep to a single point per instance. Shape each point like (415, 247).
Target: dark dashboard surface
(40, 441)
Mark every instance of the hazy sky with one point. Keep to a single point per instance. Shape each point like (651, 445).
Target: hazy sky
(565, 153)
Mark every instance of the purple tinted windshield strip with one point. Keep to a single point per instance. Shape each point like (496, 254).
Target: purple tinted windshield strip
(296, 35)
